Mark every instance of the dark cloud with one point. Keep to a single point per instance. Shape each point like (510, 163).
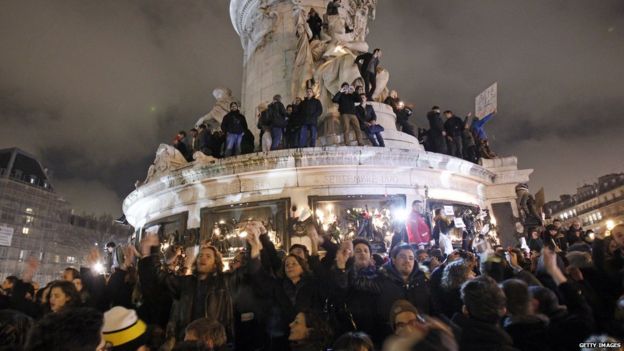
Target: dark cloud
(93, 87)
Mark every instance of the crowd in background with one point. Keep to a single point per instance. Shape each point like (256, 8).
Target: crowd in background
(558, 288)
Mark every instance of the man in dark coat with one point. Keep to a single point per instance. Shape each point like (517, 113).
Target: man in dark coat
(233, 125)
(367, 64)
(528, 330)
(368, 122)
(483, 306)
(401, 279)
(436, 134)
(207, 293)
(316, 24)
(403, 114)
(180, 144)
(310, 110)
(279, 119)
(454, 127)
(203, 137)
(293, 127)
(346, 99)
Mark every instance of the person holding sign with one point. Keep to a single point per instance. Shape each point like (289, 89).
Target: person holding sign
(418, 231)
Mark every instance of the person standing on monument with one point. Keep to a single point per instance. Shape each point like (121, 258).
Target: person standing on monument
(310, 109)
(180, 143)
(278, 118)
(368, 122)
(367, 64)
(346, 99)
(436, 134)
(403, 114)
(316, 24)
(454, 127)
(233, 125)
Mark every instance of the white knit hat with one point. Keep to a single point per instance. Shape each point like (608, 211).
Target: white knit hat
(122, 326)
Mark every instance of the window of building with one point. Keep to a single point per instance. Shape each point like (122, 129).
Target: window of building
(25, 230)
(22, 255)
(71, 259)
(57, 259)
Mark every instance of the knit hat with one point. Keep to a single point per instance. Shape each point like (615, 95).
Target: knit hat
(122, 327)
(400, 306)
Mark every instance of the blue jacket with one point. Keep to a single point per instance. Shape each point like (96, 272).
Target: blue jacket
(477, 126)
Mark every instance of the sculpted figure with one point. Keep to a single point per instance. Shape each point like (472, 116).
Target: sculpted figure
(303, 68)
(213, 119)
(167, 158)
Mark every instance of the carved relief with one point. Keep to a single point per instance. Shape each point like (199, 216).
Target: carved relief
(167, 159)
(213, 119)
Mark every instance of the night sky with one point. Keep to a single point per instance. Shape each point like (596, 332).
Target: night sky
(92, 87)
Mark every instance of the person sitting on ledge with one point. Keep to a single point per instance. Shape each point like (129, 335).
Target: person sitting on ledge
(368, 122)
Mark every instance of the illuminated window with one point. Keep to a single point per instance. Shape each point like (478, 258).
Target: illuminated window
(71, 259)
(57, 259)
(25, 230)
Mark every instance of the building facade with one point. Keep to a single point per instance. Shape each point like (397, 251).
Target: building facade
(36, 221)
(596, 206)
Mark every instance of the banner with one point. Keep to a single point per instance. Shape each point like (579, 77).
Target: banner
(6, 235)
(486, 102)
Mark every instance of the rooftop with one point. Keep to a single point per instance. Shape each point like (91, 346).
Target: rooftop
(19, 165)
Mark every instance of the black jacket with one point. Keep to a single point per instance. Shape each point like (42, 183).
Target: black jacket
(481, 336)
(416, 291)
(359, 290)
(454, 126)
(264, 121)
(403, 114)
(529, 333)
(436, 125)
(234, 122)
(365, 115)
(363, 60)
(310, 110)
(218, 303)
(316, 23)
(570, 325)
(277, 114)
(346, 102)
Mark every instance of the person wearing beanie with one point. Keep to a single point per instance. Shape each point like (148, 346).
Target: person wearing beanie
(123, 329)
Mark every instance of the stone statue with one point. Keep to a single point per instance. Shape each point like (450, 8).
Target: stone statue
(303, 67)
(256, 32)
(203, 158)
(167, 158)
(213, 119)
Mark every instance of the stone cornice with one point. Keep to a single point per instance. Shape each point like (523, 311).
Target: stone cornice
(309, 158)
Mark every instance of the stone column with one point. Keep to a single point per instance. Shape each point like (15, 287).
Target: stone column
(501, 195)
(267, 32)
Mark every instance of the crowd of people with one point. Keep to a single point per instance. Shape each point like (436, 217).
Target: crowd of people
(296, 126)
(565, 289)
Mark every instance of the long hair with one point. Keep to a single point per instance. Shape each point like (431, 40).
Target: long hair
(218, 259)
(302, 263)
(69, 289)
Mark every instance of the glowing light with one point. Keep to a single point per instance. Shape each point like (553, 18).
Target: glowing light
(222, 221)
(325, 227)
(165, 246)
(400, 214)
(492, 220)
(242, 234)
(610, 225)
(98, 268)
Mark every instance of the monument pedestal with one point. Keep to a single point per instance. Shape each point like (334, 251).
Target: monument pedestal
(501, 196)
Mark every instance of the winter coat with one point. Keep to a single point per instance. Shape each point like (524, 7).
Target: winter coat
(529, 333)
(359, 290)
(277, 114)
(234, 122)
(264, 122)
(310, 109)
(365, 114)
(571, 324)
(316, 23)
(346, 102)
(218, 303)
(418, 231)
(436, 125)
(454, 126)
(477, 127)
(416, 291)
(477, 335)
(403, 114)
(363, 60)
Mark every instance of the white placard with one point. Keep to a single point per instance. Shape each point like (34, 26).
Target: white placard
(6, 235)
(486, 102)
(448, 210)
(459, 222)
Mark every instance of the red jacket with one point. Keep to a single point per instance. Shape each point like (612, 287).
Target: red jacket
(418, 231)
